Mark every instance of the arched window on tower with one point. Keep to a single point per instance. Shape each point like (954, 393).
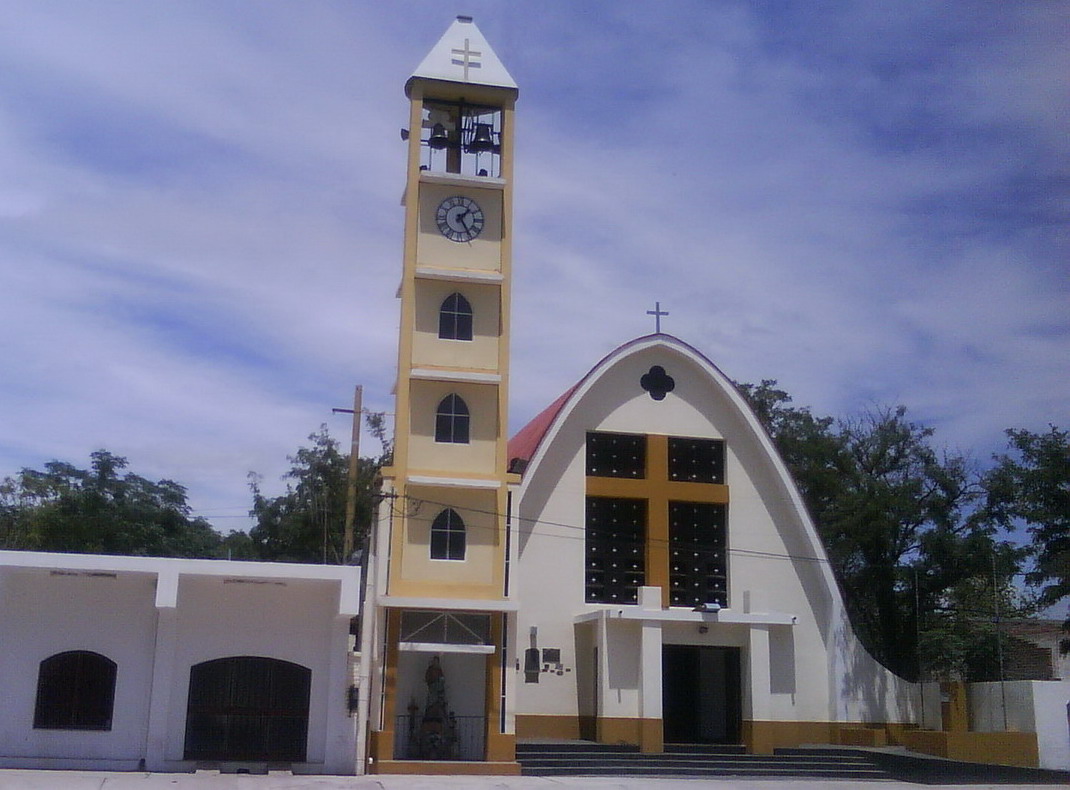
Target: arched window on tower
(75, 691)
(455, 318)
(448, 536)
(451, 420)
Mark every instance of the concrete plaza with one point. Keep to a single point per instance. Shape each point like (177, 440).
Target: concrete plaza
(17, 779)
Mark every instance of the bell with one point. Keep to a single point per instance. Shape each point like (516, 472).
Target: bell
(482, 141)
(438, 139)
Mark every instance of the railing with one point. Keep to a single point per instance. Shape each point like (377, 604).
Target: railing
(454, 738)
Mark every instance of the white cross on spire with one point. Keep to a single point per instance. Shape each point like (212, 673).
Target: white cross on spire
(468, 58)
(463, 55)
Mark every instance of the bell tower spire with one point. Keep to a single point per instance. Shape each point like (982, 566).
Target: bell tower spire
(442, 542)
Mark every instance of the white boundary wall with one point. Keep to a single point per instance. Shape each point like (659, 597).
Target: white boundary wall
(1040, 706)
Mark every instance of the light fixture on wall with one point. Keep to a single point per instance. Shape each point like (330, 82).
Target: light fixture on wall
(712, 606)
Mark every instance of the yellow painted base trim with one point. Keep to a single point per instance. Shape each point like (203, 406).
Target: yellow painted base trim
(501, 747)
(862, 736)
(996, 748)
(381, 744)
(537, 726)
(619, 730)
(651, 736)
(444, 768)
(872, 734)
(954, 707)
(644, 733)
(897, 732)
(762, 737)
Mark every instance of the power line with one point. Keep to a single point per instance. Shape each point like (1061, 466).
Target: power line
(581, 532)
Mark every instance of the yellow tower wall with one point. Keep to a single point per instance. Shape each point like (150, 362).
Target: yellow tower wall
(481, 352)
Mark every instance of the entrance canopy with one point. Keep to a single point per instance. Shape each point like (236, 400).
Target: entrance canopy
(649, 610)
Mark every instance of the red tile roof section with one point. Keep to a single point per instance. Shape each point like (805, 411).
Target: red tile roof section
(528, 438)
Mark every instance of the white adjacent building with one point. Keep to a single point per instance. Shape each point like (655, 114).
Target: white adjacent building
(119, 663)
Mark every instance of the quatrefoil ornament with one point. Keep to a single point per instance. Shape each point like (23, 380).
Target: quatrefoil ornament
(657, 382)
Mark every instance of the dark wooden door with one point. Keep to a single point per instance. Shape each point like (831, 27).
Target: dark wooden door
(701, 699)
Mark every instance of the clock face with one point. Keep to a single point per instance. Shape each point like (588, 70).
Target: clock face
(459, 218)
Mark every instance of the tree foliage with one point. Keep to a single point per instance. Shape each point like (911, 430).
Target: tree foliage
(100, 510)
(1032, 485)
(307, 522)
(894, 514)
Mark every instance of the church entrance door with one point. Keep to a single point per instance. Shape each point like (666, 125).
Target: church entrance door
(701, 700)
(248, 708)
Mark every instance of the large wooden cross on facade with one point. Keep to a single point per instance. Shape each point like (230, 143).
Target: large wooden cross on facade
(669, 548)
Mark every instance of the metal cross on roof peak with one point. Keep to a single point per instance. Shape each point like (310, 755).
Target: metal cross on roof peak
(657, 312)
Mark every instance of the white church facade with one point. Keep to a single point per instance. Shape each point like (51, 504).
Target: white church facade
(634, 566)
(666, 561)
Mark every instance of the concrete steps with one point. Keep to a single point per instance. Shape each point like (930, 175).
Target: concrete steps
(691, 760)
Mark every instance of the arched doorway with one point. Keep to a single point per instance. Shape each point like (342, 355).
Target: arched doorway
(247, 708)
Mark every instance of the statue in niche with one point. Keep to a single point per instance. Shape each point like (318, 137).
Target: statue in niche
(438, 726)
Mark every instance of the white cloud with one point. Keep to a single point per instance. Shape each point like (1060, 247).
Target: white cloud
(200, 233)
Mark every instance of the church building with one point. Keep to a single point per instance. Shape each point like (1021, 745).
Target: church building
(691, 600)
(636, 566)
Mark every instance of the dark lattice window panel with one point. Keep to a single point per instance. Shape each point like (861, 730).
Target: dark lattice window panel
(616, 455)
(75, 691)
(696, 460)
(615, 549)
(698, 567)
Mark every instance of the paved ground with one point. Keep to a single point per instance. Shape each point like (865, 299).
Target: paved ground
(14, 779)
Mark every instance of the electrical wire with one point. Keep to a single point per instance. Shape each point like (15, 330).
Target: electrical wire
(581, 531)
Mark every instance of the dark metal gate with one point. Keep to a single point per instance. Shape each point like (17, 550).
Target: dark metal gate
(247, 708)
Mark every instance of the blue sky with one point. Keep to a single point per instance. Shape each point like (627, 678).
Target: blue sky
(200, 230)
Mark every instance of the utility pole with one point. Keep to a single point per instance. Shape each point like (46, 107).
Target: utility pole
(354, 461)
(917, 643)
(999, 639)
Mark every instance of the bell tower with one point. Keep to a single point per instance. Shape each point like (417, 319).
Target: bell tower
(442, 546)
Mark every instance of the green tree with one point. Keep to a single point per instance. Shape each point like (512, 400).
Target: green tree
(960, 628)
(100, 510)
(307, 522)
(893, 514)
(1032, 485)
(811, 447)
